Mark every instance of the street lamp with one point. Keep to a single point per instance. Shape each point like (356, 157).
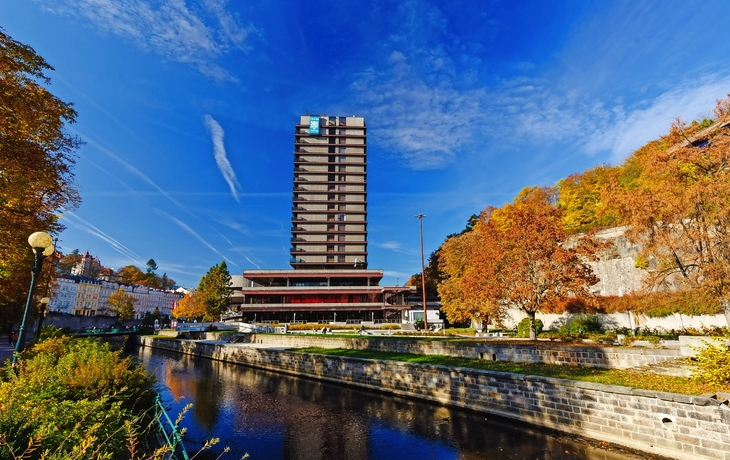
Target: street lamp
(423, 273)
(43, 313)
(42, 245)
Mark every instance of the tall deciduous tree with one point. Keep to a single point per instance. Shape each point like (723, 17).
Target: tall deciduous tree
(215, 291)
(36, 164)
(516, 256)
(536, 268)
(121, 305)
(463, 293)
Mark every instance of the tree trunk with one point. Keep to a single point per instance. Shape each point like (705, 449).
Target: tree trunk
(533, 333)
(726, 310)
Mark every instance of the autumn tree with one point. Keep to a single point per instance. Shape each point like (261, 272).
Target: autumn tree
(680, 208)
(463, 292)
(190, 307)
(524, 257)
(434, 274)
(36, 164)
(131, 274)
(121, 305)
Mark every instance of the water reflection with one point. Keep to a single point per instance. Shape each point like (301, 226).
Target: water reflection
(271, 416)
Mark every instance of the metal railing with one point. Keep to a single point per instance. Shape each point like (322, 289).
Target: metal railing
(169, 432)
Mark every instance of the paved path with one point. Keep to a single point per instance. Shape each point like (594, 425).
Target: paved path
(6, 351)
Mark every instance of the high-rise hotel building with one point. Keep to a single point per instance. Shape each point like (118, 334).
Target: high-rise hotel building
(329, 204)
(330, 280)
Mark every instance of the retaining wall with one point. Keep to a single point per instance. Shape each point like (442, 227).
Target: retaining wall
(679, 426)
(493, 350)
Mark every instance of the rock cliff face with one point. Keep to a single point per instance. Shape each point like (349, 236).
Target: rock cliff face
(616, 270)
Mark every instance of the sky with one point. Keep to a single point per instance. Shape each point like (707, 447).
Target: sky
(187, 110)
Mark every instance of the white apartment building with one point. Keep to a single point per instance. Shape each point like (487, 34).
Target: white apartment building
(75, 295)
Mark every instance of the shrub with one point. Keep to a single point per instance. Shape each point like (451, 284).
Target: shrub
(390, 326)
(72, 394)
(713, 364)
(523, 328)
(583, 324)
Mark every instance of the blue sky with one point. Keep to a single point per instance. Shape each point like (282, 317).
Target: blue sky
(188, 110)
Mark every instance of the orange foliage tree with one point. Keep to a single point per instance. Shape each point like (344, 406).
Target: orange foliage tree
(36, 166)
(524, 259)
(679, 208)
(192, 306)
(463, 290)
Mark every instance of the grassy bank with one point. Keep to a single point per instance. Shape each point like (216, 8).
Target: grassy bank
(629, 378)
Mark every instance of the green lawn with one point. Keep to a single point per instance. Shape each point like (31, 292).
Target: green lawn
(628, 378)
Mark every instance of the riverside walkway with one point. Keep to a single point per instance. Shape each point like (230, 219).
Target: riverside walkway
(6, 352)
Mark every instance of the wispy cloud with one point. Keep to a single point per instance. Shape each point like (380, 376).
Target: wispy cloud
(81, 224)
(169, 28)
(620, 130)
(429, 104)
(221, 159)
(185, 227)
(131, 168)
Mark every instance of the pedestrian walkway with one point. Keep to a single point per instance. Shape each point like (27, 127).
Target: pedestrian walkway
(6, 351)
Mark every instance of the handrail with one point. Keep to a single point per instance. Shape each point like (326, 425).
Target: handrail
(173, 439)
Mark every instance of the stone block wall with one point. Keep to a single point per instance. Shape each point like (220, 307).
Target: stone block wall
(679, 426)
(495, 350)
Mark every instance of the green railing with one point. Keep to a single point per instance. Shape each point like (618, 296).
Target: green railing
(170, 435)
(106, 331)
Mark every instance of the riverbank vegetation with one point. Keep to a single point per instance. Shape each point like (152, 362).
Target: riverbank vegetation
(670, 198)
(75, 398)
(639, 379)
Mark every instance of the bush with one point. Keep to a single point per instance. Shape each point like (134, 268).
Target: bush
(713, 364)
(583, 324)
(523, 328)
(72, 394)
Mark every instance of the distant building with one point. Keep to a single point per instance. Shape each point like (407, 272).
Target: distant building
(88, 266)
(81, 296)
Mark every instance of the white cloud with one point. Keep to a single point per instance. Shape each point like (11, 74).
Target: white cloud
(620, 130)
(168, 28)
(219, 150)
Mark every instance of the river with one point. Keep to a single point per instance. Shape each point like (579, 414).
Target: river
(272, 416)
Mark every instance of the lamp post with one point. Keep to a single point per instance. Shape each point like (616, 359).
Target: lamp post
(423, 273)
(42, 315)
(42, 245)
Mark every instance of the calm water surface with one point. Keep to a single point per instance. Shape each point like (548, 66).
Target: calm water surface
(271, 416)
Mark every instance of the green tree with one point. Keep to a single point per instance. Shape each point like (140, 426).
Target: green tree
(121, 305)
(214, 291)
(166, 283)
(36, 165)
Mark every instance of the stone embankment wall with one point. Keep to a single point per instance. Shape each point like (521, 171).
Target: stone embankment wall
(679, 426)
(591, 356)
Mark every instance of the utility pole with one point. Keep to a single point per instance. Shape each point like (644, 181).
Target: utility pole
(423, 273)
